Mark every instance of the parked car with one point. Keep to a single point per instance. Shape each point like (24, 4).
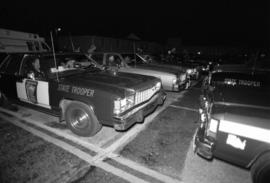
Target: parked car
(73, 88)
(193, 69)
(172, 80)
(235, 119)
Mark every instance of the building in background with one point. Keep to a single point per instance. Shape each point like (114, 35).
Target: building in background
(129, 44)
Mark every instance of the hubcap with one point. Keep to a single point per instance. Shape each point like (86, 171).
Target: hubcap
(79, 119)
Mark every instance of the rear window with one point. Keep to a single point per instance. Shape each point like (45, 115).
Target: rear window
(241, 80)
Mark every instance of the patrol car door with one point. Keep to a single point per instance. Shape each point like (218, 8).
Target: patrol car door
(33, 90)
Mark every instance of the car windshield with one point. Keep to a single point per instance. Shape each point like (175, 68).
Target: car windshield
(67, 64)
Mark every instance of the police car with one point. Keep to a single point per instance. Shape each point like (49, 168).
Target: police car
(235, 119)
(74, 89)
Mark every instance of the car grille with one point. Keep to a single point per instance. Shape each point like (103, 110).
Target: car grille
(142, 96)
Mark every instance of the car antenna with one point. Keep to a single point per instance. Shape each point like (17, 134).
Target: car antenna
(134, 52)
(255, 62)
(54, 58)
(71, 41)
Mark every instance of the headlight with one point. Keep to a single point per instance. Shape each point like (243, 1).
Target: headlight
(158, 86)
(189, 71)
(174, 81)
(203, 117)
(182, 77)
(121, 105)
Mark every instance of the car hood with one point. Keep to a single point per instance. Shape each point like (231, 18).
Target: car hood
(164, 67)
(112, 80)
(147, 71)
(180, 68)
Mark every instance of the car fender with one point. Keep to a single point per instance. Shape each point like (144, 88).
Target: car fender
(257, 157)
(66, 101)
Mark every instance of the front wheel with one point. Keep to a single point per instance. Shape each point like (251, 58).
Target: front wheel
(260, 171)
(81, 120)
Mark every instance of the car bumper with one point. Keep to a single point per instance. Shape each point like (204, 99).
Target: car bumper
(202, 145)
(123, 122)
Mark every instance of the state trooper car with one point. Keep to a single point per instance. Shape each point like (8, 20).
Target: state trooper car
(83, 95)
(235, 119)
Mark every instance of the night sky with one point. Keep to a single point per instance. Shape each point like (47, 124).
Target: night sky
(220, 22)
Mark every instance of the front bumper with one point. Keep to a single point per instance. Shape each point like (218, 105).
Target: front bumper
(123, 122)
(203, 145)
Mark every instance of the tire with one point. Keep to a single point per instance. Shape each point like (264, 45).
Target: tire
(81, 119)
(260, 170)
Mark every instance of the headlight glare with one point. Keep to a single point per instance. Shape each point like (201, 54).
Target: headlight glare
(158, 85)
(121, 105)
(189, 71)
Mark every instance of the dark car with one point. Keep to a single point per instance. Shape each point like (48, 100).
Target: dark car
(235, 119)
(71, 87)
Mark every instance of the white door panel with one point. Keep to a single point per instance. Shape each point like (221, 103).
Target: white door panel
(43, 93)
(38, 97)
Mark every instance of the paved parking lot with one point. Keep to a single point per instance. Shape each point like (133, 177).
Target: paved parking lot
(158, 150)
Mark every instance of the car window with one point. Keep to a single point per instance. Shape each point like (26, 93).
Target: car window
(12, 64)
(30, 46)
(27, 65)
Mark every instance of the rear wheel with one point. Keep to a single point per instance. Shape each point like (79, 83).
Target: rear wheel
(81, 120)
(260, 171)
